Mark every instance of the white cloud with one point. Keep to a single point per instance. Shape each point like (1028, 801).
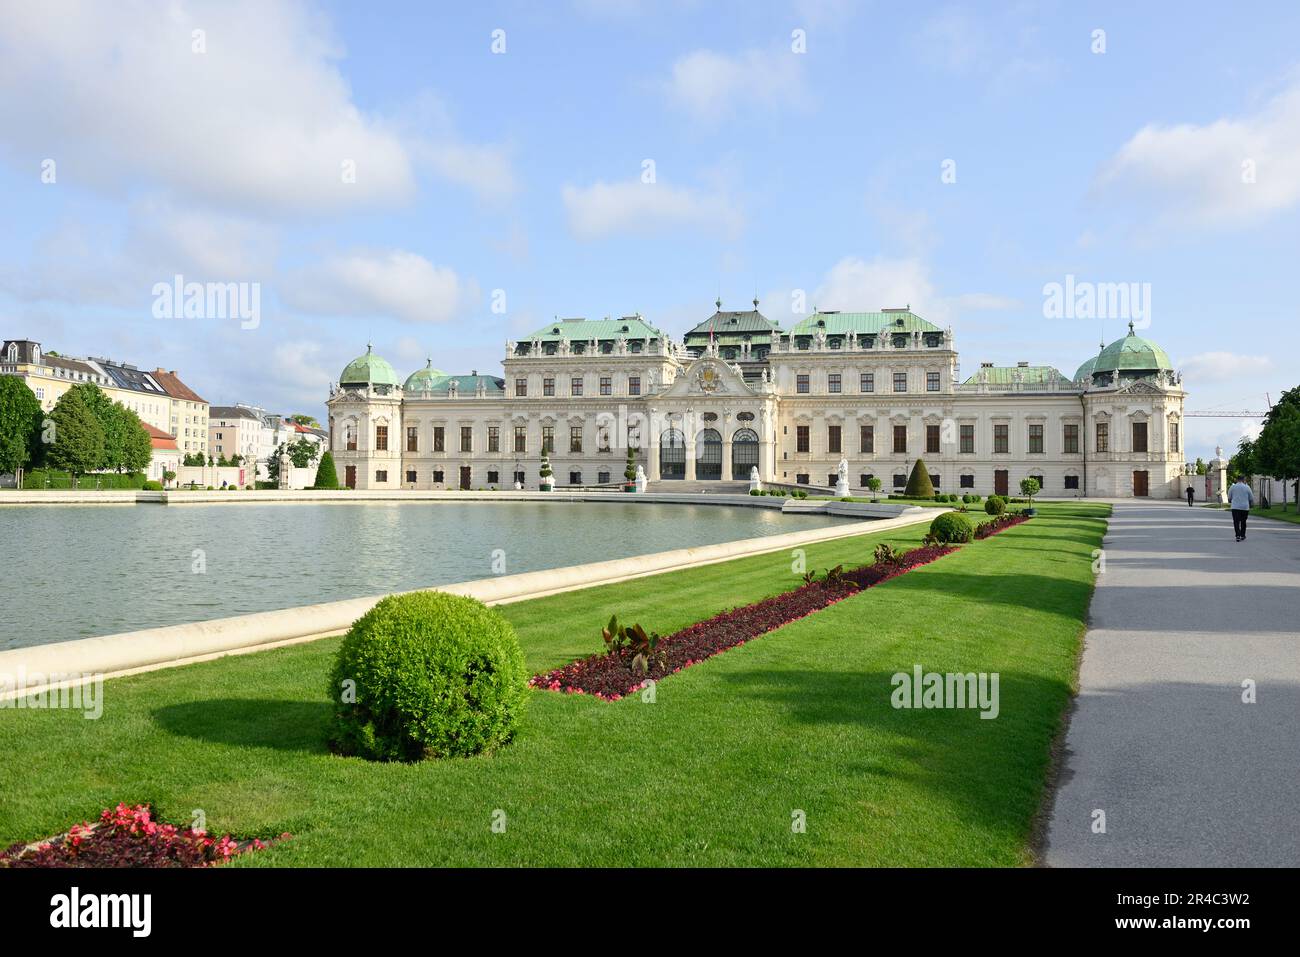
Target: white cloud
(1198, 174)
(395, 283)
(1221, 366)
(632, 207)
(856, 285)
(711, 85)
(263, 121)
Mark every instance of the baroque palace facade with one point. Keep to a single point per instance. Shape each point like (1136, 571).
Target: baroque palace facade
(878, 389)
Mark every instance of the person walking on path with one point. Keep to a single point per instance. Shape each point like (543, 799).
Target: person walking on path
(1240, 498)
(1191, 494)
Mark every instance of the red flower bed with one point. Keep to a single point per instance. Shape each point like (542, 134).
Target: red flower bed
(129, 837)
(611, 676)
(999, 524)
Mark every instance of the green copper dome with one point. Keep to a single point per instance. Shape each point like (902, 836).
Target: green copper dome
(368, 369)
(423, 380)
(1086, 370)
(1132, 354)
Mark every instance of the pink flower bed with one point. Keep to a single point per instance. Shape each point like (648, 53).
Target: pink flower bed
(611, 676)
(129, 837)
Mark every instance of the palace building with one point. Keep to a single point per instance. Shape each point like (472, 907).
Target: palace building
(878, 389)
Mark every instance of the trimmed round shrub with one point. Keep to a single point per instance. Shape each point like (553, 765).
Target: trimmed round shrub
(995, 505)
(432, 676)
(952, 528)
(151, 486)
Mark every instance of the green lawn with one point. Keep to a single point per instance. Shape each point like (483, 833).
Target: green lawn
(1292, 514)
(709, 774)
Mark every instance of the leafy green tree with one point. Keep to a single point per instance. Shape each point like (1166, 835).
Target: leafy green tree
(78, 444)
(1029, 487)
(20, 424)
(1201, 467)
(301, 452)
(873, 483)
(327, 475)
(222, 462)
(1243, 461)
(1277, 450)
(629, 473)
(918, 483)
(303, 419)
(137, 446)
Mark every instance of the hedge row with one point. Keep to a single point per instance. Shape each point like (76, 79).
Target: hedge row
(53, 479)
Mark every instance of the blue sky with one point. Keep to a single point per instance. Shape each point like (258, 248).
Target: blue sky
(814, 175)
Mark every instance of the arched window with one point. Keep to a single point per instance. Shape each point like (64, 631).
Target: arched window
(708, 455)
(744, 453)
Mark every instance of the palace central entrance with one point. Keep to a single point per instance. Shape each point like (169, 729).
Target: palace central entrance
(708, 455)
(672, 455)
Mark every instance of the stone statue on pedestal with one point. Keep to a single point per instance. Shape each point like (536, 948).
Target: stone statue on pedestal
(842, 484)
(640, 480)
(755, 483)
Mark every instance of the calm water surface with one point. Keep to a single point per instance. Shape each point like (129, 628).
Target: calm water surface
(80, 571)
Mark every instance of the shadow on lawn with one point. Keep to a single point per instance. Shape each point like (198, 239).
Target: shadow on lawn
(992, 771)
(250, 722)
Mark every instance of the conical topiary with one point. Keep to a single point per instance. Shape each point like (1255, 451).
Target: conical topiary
(629, 473)
(327, 476)
(918, 483)
(545, 471)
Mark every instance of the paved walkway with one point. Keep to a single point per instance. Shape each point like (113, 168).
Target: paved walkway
(1160, 740)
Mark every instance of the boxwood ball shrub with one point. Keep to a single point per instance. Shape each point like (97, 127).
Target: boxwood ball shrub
(435, 675)
(995, 505)
(952, 528)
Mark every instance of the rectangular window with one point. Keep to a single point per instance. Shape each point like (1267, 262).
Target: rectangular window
(519, 477)
(967, 438)
(602, 478)
(931, 440)
(548, 439)
(412, 438)
(867, 382)
(1070, 439)
(575, 439)
(833, 479)
(900, 442)
(1139, 436)
(410, 477)
(494, 438)
(350, 434)
(467, 438)
(900, 381)
(575, 478)
(439, 439)
(900, 481)
(1035, 439)
(521, 387)
(1173, 436)
(575, 385)
(602, 437)
(833, 382)
(833, 440)
(1072, 482)
(801, 384)
(437, 476)
(606, 385)
(634, 385)
(1002, 439)
(867, 439)
(968, 481)
(548, 387)
(1103, 437)
(934, 479)
(801, 438)
(801, 478)
(521, 438)
(381, 476)
(381, 438)
(865, 479)
(494, 478)
(932, 382)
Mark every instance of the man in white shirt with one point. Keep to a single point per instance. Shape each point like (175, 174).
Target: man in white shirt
(1240, 499)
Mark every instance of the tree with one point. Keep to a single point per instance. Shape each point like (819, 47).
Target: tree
(1277, 450)
(303, 419)
(78, 444)
(629, 473)
(169, 476)
(301, 453)
(1029, 487)
(545, 471)
(873, 483)
(1243, 461)
(1200, 466)
(20, 424)
(137, 446)
(918, 483)
(327, 475)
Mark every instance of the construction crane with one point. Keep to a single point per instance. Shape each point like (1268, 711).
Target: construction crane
(1227, 415)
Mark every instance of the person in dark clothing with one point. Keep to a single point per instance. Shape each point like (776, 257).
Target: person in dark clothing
(1191, 494)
